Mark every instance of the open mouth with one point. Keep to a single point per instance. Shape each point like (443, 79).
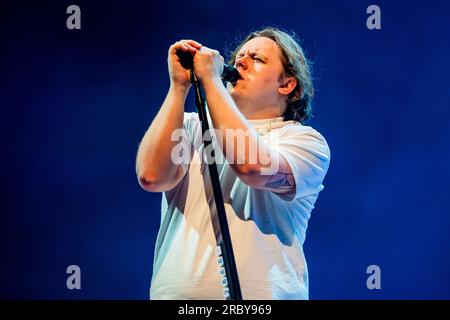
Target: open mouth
(236, 82)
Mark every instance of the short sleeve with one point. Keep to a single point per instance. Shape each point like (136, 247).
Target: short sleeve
(308, 156)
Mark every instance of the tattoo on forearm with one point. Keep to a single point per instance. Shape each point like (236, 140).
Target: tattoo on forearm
(280, 181)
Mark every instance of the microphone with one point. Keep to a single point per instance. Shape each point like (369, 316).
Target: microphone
(229, 74)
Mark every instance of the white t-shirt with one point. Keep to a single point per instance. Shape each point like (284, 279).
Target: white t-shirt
(267, 229)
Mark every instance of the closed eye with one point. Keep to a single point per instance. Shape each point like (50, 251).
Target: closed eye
(253, 56)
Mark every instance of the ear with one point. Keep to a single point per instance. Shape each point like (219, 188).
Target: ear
(287, 85)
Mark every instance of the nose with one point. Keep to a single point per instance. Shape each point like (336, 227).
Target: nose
(241, 63)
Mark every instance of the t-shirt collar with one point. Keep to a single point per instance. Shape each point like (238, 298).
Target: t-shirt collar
(268, 124)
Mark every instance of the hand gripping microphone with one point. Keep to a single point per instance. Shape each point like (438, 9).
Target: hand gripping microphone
(229, 74)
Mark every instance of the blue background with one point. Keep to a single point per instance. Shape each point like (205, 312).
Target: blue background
(75, 104)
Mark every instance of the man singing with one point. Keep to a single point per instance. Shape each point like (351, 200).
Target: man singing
(268, 197)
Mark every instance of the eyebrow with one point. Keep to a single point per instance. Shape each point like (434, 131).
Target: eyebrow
(254, 53)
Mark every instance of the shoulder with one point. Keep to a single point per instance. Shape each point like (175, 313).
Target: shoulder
(302, 135)
(296, 128)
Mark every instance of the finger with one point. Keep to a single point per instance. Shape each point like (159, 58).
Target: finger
(183, 47)
(210, 51)
(177, 46)
(187, 48)
(192, 43)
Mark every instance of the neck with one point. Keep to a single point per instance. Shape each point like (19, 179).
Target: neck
(252, 113)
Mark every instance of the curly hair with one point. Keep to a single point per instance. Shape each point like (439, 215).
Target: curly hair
(295, 63)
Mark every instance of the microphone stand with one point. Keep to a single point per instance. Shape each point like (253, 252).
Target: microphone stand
(226, 248)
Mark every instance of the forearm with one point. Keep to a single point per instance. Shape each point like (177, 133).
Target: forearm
(239, 141)
(153, 161)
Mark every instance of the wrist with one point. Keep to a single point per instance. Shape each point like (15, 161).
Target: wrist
(215, 81)
(179, 89)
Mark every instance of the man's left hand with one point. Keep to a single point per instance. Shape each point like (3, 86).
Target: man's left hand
(208, 64)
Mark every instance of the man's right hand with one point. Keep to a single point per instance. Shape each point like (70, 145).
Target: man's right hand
(179, 76)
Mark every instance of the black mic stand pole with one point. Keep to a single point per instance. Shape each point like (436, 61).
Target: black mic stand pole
(225, 245)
